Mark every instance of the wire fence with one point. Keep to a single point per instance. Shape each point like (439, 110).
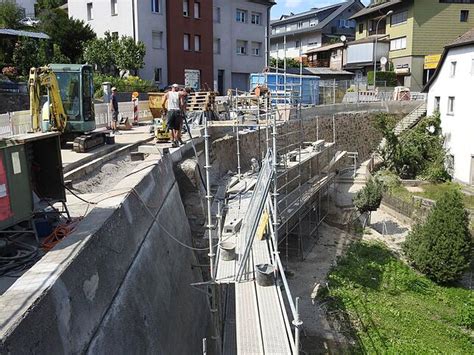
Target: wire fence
(19, 122)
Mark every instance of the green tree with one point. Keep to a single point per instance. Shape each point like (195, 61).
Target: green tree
(441, 247)
(48, 4)
(69, 34)
(290, 63)
(369, 198)
(130, 55)
(25, 54)
(112, 54)
(10, 15)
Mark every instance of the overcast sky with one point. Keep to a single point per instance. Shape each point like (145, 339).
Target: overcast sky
(295, 6)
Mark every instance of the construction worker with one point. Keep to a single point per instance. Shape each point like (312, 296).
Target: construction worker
(184, 92)
(114, 109)
(175, 100)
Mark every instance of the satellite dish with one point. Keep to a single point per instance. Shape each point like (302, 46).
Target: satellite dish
(343, 38)
(383, 60)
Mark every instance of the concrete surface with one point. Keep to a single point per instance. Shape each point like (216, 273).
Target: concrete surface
(118, 268)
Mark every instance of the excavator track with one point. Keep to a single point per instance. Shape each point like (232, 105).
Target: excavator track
(86, 142)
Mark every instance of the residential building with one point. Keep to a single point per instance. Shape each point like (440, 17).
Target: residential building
(239, 41)
(28, 6)
(312, 29)
(450, 93)
(416, 31)
(189, 40)
(329, 56)
(144, 20)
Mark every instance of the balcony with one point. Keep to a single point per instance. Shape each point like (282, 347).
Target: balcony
(362, 51)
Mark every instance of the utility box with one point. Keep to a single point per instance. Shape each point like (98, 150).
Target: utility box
(30, 170)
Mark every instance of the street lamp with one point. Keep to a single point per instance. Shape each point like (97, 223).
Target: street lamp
(375, 45)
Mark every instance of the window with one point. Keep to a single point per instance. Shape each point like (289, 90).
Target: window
(398, 43)
(90, 13)
(464, 15)
(217, 14)
(256, 18)
(297, 44)
(115, 35)
(156, 6)
(256, 49)
(452, 71)
(451, 105)
(217, 46)
(186, 8)
(241, 16)
(197, 43)
(197, 9)
(437, 103)
(157, 75)
(113, 7)
(187, 40)
(300, 24)
(346, 23)
(157, 39)
(398, 18)
(241, 47)
(361, 28)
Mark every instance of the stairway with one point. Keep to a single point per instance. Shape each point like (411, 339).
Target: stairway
(411, 119)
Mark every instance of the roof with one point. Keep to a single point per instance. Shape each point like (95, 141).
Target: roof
(325, 48)
(19, 33)
(465, 39)
(338, 9)
(313, 71)
(376, 8)
(369, 39)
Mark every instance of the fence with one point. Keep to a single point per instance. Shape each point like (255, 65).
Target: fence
(19, 122)
(349, 91)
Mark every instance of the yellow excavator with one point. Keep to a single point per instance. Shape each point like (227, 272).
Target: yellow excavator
(70, 108)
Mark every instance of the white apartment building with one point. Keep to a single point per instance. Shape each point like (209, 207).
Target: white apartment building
(311, 29)
(239, 41)
(28, 6)
(450, 93)
(144, 20)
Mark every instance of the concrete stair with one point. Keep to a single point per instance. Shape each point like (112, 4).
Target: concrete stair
(411, 119)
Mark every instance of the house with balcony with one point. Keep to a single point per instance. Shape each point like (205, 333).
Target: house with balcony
(413, 34)
(295, 34)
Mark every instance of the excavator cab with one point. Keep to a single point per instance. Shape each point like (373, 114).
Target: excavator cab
(76, 88)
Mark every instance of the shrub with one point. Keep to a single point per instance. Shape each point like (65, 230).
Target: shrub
(368, 199)
(440, 248)
(389, 77)
(10, 72)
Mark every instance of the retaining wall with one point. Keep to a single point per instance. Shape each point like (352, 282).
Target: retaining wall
(119, 284)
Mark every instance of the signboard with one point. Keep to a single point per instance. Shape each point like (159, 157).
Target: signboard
(432, 61)
(192, 79)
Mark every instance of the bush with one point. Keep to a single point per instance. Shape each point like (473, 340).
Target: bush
(128, 84)
(389, 77)
(10, 72)
(368, 199)
(440, 248)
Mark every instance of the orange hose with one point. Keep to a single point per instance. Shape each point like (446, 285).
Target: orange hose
(58, 234)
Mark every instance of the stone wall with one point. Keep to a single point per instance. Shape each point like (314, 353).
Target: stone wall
(14, 102)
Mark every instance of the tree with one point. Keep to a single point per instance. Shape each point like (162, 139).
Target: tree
(369, 198)
(290, 63)
(69, 34)
(48, 4)
(25, 54)
(441, 247)
(111, 54)
(10, 15)
(130, 55)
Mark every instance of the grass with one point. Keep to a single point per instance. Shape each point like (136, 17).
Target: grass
(392, 309)
(434, 192)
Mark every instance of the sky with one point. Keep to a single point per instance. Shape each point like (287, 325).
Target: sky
(295, 6)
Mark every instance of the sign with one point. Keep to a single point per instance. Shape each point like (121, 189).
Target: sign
(192, 79)
(432, 61)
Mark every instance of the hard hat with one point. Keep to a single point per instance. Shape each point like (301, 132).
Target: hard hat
(114, 88)
(175, 85)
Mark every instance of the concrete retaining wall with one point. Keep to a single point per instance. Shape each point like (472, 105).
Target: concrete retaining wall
(119, 284)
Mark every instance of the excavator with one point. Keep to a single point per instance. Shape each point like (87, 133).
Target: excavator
(70, 106)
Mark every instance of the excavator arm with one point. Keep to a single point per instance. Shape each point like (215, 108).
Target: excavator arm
(45, 77)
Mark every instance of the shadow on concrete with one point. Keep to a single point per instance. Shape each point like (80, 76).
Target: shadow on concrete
(390, 227)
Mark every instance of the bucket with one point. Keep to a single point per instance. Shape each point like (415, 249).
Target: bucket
(227, 251)
(265, 274)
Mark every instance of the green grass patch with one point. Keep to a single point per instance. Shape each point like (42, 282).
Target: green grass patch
(392, 309)
(435, 191)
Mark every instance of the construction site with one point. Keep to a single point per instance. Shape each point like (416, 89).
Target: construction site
(123, 243)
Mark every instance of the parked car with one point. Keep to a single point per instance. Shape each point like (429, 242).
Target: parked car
(29, 21)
